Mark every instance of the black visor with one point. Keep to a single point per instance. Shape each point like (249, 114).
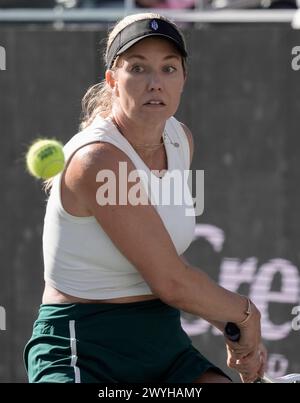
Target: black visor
(142, 29)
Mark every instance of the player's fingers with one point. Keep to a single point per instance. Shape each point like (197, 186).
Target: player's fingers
(262, 368)
(247, 378)
(249, 367)
(232, 357)
(237, 350)
(231, 363)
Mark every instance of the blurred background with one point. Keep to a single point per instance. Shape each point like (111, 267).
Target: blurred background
(242, 102)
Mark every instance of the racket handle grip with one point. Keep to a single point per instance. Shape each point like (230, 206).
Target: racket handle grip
(232, 331)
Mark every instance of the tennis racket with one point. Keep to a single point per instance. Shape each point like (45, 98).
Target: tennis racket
(233, 333)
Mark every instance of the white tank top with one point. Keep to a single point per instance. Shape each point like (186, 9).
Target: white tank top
(79, 258)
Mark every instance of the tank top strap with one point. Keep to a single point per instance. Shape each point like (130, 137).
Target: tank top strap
(102, 130)
(176, 134)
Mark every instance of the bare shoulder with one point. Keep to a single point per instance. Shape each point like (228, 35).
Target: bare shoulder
(190, 138)
(97, 155)
(92, 158)
(81, 176)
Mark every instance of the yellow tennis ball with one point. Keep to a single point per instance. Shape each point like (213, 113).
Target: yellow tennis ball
(45, 158)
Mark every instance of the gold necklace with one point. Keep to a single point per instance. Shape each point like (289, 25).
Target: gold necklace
(148, 145)
(157, 145)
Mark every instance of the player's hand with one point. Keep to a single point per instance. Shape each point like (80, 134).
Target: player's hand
(250, 367)
(250, 337)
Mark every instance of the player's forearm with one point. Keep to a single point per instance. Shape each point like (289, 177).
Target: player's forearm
(218, 325)
(195, 292)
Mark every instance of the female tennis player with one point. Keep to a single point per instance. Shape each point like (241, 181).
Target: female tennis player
(115, 281)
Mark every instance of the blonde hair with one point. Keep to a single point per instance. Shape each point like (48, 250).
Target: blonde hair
(98, 99)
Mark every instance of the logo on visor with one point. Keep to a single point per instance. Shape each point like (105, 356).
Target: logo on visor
(154, 25)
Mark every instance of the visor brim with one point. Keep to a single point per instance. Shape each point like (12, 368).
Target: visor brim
(129, 44)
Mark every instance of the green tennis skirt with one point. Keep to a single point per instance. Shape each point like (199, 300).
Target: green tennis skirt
(102, 343)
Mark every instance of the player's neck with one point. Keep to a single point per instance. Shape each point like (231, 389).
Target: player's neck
(144, 139)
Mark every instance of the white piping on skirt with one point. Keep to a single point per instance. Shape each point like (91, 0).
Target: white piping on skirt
(74, 350)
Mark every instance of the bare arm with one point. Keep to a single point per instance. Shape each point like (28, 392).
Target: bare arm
(218, 325)
(138, 231)
(253, 361)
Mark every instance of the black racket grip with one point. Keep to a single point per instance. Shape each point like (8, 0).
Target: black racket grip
(232, 332)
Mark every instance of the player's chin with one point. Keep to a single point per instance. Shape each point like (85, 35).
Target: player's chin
(155, 116)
